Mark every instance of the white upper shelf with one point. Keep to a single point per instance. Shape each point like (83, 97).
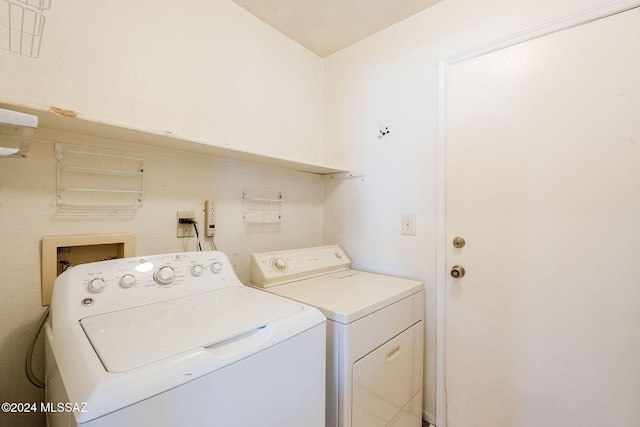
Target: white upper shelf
(61, 120)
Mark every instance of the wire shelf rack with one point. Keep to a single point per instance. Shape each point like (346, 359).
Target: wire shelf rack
(22, 25)
(262, 207)
(97, 181)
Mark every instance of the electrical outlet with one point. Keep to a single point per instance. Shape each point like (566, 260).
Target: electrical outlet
(185, 229)
(210, 218)
(408, 224)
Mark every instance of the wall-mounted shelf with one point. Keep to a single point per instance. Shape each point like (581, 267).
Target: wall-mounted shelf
(22, 26)
(97, 181)
(16, 130)
(68, 121)
(262, 207)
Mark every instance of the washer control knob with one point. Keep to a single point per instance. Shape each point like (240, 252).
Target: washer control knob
(216, 267)
(197, 270)
(127, 281)
(279, 264)
(96, 285)
(164, 275)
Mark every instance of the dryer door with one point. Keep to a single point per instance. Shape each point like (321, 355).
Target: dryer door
(387, 383)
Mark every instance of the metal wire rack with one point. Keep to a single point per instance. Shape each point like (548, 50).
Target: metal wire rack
(97, 181)
(22, 25)
(262, 208)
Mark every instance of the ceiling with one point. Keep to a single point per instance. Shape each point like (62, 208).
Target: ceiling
(326, 26)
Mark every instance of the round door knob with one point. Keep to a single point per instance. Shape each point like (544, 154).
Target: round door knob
(459, 242)
(457, 271)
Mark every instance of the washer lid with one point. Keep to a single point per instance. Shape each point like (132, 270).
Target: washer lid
(346, 296)
(128, 339)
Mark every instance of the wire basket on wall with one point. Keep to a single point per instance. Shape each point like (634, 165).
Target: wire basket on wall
(22, 25)
(262, 210)
(92, 179)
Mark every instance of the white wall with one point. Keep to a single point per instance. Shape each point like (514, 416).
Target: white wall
(390, 79)
(200, 69)
(208, 70)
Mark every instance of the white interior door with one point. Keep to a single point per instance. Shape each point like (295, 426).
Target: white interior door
(543, 183)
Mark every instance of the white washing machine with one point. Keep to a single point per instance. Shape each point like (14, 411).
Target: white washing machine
(374, 333)
(177, 340)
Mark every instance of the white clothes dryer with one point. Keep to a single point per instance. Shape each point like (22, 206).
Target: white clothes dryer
(178, 340)
(374, 333)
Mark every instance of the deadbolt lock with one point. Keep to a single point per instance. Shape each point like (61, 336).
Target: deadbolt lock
(458, 242)
(457, 271)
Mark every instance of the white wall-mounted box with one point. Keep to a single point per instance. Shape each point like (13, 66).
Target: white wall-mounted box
(61, 252)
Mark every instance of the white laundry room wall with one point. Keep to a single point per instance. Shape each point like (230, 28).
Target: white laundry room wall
(204, 70)
(389, 80)
(208, 70)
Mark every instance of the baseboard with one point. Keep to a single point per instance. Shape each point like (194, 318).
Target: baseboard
(428, 419)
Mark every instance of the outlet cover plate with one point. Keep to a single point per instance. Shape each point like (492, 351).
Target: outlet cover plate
(185, 230)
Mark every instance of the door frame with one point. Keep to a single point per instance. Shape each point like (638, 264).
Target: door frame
(603, 10)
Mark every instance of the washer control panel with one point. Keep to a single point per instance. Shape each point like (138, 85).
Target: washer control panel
(276, 268)
(118, 284)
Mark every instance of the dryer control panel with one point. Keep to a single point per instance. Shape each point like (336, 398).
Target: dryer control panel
(276, 268)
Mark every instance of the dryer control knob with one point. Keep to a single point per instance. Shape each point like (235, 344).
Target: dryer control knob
(96, 285)
(127, 281)
(164, 275)
(279, 264)
(197, 270)
(216, 267)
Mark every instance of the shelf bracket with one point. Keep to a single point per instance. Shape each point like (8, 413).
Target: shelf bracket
(343, 175)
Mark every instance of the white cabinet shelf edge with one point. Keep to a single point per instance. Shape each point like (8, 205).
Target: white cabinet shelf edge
(76, 123)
